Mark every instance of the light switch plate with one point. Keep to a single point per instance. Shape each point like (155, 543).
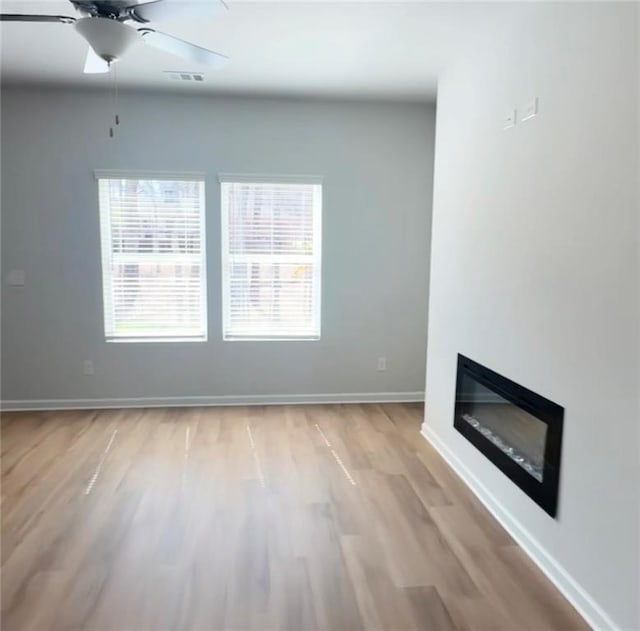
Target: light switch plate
(16, 278)
(510, 119)
(530, 109)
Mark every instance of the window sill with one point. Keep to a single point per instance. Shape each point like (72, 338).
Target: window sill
(144, 340)
(263, 338)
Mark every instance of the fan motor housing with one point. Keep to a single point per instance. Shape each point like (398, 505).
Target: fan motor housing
(120, 10)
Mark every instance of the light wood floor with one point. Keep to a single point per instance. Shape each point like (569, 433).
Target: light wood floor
(321, 517)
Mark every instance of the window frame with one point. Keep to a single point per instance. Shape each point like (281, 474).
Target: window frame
(311, 180)
(107, 256)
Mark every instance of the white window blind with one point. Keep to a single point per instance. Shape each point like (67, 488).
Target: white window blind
(271, 258)
(153, 257)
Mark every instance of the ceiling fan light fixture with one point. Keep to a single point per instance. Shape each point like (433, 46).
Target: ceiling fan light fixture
(109, 38)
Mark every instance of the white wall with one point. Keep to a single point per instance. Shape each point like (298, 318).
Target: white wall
(377, 163)
(535, 273)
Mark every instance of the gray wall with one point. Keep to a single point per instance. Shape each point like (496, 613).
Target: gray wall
(377, 163)
(535, 273)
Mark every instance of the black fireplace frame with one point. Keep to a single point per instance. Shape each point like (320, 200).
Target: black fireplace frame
(544, 493)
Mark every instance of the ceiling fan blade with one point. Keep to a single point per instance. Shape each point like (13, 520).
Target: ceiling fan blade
(176, 9)
(25, 17)
(180, 48)
(94, 64)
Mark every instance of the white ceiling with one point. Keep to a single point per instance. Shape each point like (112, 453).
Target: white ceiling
(391, 50)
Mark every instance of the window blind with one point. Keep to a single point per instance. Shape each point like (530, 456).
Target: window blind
(271, 258)
(153, 257)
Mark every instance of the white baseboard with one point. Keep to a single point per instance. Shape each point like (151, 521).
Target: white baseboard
(194, 401)
(586, 606)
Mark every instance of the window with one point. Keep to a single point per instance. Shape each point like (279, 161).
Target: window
(271, 257)
(153, 257)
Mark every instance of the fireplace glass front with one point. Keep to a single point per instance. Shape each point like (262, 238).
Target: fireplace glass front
(518, 430)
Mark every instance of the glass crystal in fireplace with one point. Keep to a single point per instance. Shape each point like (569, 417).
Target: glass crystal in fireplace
(513, 430)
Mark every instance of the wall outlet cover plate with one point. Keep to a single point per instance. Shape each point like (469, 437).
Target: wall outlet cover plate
(16, 278)
(530, 109)
(510, 119)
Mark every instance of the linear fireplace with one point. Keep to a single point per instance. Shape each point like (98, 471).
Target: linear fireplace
(518, 430)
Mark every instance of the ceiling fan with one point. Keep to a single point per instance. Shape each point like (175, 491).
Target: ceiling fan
(103, 25)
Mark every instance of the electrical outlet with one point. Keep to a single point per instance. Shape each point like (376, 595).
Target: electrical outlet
(16, 278)
(382, 364)
(510, 119)
(530, 109)
(87, 367)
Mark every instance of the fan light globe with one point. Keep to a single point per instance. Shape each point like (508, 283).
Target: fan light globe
(109, 39)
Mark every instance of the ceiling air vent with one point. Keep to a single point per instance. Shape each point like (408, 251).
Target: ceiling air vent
(173, 75)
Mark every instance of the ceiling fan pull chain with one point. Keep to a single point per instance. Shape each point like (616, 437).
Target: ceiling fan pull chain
(112, 97)
(115, 83)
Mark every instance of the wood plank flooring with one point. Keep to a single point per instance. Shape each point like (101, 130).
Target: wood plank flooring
(334, 517)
